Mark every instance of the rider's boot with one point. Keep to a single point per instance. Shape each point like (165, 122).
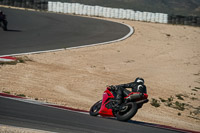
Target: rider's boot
(117, 104)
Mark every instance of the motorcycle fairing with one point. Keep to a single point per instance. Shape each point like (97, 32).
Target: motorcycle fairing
(105, 112)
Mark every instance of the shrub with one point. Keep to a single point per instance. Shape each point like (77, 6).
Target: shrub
(162, 100)
(179, 96)
(7, 92)
(179, 106)
(21, 95)
(155, 102)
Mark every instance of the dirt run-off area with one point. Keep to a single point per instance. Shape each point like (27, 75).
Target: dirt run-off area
(166, 56)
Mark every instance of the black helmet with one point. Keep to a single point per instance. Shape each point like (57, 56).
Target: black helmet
(141, 89)
(139, 80)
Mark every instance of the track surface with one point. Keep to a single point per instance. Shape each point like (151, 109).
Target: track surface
(22, 114)
(30, 31)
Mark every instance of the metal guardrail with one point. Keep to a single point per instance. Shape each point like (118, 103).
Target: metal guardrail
(33, 4)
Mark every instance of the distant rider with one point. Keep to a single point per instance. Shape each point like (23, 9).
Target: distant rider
(3, 19)
(121, 91)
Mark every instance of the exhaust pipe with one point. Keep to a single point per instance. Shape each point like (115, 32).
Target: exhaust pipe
(135, 96)
(143, 101)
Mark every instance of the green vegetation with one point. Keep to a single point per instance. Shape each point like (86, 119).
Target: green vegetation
(179, 106)
(170, 99)
(162, 100)
(197, 111)
(194, 90)
(194, 98)
(8, 63)
(176, 105)
(7, 92)
(179, 96)
(155, 102)
(21, 95)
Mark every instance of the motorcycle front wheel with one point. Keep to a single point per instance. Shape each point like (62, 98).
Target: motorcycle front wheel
(94, 110)
(127, 111)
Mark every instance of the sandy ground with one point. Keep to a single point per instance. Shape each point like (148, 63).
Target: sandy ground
(166, 56)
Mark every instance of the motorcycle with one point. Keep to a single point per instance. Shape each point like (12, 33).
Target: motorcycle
(107, 106)
(3, 24)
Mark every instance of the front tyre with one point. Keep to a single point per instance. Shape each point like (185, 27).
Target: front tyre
(127, 111)
(94, 110)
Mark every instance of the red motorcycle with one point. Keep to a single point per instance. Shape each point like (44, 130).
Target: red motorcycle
(131, 103)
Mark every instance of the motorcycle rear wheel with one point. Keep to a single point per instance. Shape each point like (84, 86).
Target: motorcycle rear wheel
(94, 110)
(130, 109)
(3, 25)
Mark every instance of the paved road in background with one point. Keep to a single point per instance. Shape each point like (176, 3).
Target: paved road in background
(22, 114)
(30, 31)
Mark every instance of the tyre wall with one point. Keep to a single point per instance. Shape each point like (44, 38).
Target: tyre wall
(99, 11)
(119, 13)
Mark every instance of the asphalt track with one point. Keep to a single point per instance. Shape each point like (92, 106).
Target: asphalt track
(28, 115)
(30, 31)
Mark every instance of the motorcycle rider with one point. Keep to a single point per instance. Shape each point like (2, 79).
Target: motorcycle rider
(121, 91)
(3, 19)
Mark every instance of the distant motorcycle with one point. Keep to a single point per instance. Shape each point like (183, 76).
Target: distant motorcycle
(3, 21)
(131, 103)
(3, 24)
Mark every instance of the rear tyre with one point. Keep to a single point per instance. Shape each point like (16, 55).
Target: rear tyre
(127, 111)
(94, 110)
(5, 26)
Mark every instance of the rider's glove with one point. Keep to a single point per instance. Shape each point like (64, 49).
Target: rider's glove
(113, 87)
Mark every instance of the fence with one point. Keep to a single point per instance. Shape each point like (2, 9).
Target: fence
(184, 20)
(34, 4)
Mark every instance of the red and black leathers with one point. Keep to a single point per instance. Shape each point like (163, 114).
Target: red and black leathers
(122, 92)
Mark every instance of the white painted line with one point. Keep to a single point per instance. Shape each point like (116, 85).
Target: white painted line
(6, 60)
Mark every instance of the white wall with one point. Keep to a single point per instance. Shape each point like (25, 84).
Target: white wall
(80, 9)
